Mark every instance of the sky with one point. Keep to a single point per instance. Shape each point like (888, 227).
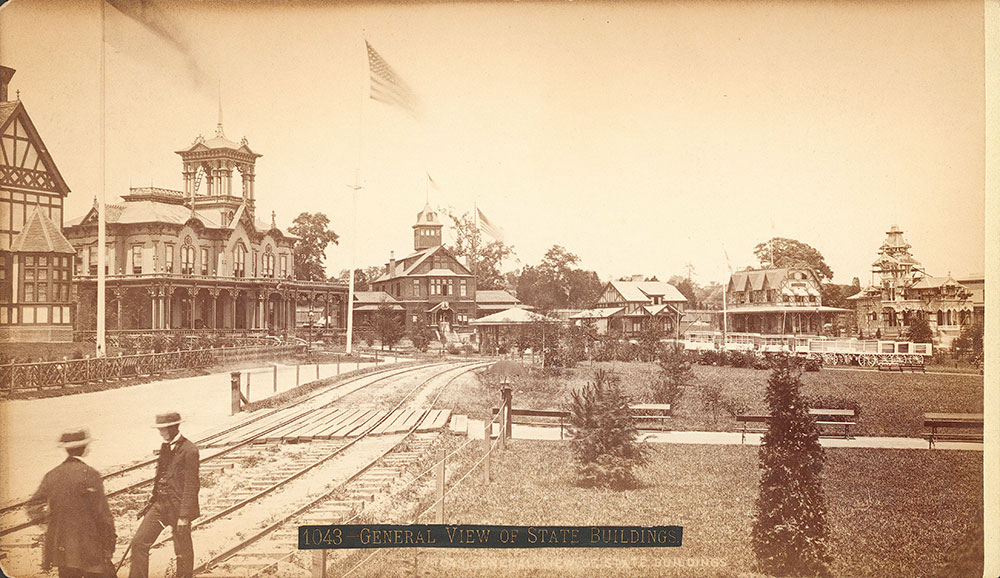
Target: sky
(642, 137)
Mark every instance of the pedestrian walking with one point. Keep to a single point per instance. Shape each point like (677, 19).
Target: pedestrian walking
(80, 538)
(174, 501)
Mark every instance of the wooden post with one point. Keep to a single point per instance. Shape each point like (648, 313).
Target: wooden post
(317, 370)
(338, 364)
(275, 378)
(297, 367)
(319, 564)
(359, 361)
(440, 488)
(507, 409)
(501, 434)
(486, 450)
(234, 380)
(248, 385)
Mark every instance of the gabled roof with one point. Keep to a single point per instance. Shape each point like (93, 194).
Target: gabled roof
(148, 212)
(12, 112)
(600, 313)
(494, 296)
(40, 235)
(373, 297)
(641, 291)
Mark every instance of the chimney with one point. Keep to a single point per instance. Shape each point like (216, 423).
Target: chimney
(392, 264)
(5, 75)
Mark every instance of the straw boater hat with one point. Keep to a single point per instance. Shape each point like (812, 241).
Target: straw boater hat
(74, 438)
(167, 419)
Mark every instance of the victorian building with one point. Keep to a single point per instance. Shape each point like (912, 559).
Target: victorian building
(431, 285)
(783, 301)
(631, 307)
(901, 291)
(198, 258)
(35, 259)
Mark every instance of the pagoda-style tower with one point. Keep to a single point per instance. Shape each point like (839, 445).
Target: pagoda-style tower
(427, 230)
(895, 265)
(213, 161)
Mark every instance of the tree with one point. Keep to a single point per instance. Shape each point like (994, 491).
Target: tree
(919, 331)
(385, 325)
(781, 252)
(970, 342)
(584, 288)
(556, 284)
(675, 374)
(314, 235)
(686, 288)
(363, 278)
(789, 534)
(420, 333)
(605, 445)
(485, 258)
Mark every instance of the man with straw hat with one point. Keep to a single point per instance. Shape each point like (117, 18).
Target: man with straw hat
(174, 501)
(80, 538)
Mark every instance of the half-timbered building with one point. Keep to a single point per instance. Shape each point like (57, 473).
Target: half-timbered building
(630, 307)
(35, 259)
(777, 301)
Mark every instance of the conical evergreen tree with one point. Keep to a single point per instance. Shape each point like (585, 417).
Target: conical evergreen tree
(790, 533)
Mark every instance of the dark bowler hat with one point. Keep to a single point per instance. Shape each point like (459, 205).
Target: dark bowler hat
(167, 419)
(74, 438)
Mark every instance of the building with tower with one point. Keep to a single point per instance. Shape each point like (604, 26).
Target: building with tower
(431, 285)
(200, 258)
(36, 276)
(901, 291)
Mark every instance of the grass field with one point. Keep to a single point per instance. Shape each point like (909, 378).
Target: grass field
(891, 404)
(891, 513)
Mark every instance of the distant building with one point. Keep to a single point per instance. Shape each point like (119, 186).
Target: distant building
(196, 259)
(630, 307)
(36, 276)
(432, 285)
(784, 301)
(903, 291)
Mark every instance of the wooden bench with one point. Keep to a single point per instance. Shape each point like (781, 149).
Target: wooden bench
(551, 417)
(824, 417)
(655, 412)
(964, 421)
(901, 367)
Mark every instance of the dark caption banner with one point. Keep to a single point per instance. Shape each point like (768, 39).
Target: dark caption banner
(477, 536)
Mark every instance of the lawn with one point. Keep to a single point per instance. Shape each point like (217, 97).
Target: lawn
(891, 404)
(891, 513)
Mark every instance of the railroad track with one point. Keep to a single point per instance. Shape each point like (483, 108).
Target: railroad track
(231, 444)
(275, 542)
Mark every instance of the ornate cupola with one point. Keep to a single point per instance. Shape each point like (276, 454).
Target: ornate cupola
(427, 230)
(212, 161)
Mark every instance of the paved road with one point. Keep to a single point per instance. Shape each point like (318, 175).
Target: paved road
(120, 420)
(475, 430)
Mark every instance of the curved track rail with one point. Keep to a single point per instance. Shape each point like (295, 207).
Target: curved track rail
(246, 424)
(297, 513)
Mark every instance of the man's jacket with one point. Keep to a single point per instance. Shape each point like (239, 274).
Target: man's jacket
(81, 531)
(176, 488)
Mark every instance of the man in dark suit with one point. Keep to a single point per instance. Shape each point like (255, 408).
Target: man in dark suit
(174, 501)
(80, 538)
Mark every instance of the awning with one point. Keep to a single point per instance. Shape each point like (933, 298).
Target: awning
(442, 306)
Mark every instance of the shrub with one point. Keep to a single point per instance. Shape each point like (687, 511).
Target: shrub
(604, 434)
(812, 364)
(789, 534)
(675, 374)
(710, 357)
(453, 348)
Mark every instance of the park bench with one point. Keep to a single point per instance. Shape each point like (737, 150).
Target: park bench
(657, 413)
(901, 367)
(961, 421)
(824, 417)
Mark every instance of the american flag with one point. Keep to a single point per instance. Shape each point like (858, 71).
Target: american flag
(387, 86)
(489, 228)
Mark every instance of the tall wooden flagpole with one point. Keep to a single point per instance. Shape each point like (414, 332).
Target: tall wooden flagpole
(101, 220)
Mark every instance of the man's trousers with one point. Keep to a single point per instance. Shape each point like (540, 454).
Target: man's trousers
(151, 526)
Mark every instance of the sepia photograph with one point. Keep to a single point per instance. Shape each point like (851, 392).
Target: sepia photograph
(445, 288)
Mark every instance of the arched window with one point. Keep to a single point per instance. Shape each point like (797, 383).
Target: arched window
(268, 264)
(239, 260)
(187, 260)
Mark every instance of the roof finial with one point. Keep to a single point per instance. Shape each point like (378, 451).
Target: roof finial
(18, 92)
(218, 127)
(272, 221)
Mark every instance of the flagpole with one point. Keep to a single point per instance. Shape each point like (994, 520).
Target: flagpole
(354, 202)
(101, 350)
